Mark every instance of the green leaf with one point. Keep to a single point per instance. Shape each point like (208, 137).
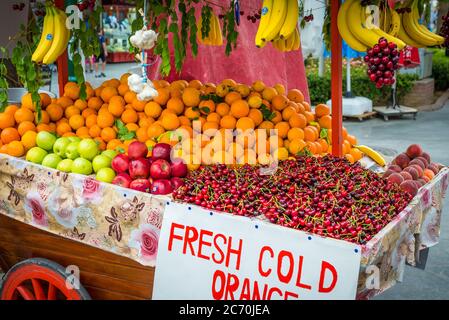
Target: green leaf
(206, 110)
(128, 136)
(266, 113)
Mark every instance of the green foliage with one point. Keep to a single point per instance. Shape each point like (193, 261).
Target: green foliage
(123, 132)
(229, 30)
(320, 87)
(440, 70)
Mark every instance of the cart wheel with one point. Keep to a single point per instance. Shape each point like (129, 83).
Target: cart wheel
(39, 279)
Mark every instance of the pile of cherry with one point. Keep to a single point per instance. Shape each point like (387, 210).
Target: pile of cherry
(444, 31)
(326, 195)
(412, 169)
(382, 60)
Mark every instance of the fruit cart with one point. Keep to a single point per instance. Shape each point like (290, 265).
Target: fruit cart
(56, 227)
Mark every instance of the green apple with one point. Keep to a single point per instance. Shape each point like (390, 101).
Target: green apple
(71, 152)
(101, 161)
(110, 153)
(82, 166)
(74, 139)
(36, 155)
(60, 146)
(51, 160)
(45, 140)
(88, 149)
(65, 165)
(105, 175)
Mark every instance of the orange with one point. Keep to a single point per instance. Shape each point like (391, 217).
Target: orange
(170, 121)
(45, 99)
(87, 112)
(142, 134)
(23, 114)
(239, 108)
(309, 116)
(176, 105)
(116, 106)
(192, 114)
(113, 144)
(132, 127)
(62, 128)
(346, 146)
(94, 131)
(45, 118)
(300, 108)
(123, 89)
(281, 154)
(228, 122)
(229, 82)
(311, 147)
(98, 91)
(350, 158)
(95, 103)
(232, 97)
(9, 134)
(296, 145)
(138, 105)
(107, 134)
(356, 154)
(210, 128)
(184, 132)
(4, 149)
(267, 125)
(15, 149)
(89, 91)
(243, 89)
(279, 88)
(288, 112)
(175, 93)
(7, 120)
(297, 121)
(129, 116)
(256, 115)
(25, 126)
(258, 86)
(246, 140)
(309, 134)
(124, 77)
(55, 112)
(83, 132)
(277, 117)
(344, 133)
(295, 133)
(322, 110)
(191, 97)
(255, 101)
(101, 143)
(155, 130)
(269, 93)
(195, 84)
(295, 95)
(325, 122)
(130, 97)
(213, 117)
(279, 102)
(64, 102)
(71, 111)
(76, 121)
(282, 129)
(206, 107)
(91, 120)
(145, 122)
(29, 139)
(163, 96)
(107, 93)
(80, 104)
(324, 145)
(11, 109)
(245, 123)
(106, 119)
(153, 109)
(352, 139)
(27, 102)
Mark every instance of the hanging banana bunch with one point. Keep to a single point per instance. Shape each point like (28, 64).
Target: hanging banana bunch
(278, 23)
(55, 37)
(215, 36)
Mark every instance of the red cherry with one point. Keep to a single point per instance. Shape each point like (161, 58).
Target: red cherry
(373, 77)
(387, 74)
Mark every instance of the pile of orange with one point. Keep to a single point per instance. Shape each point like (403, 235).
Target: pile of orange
(181, 107)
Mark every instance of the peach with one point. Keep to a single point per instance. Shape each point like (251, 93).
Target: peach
(418, 162)
(395, 168)
(414, 151)
(429, 173)
(406, 175)
(426, 156)
(423, 160)
(410, 187)
(413, 171)
(395, 178)
(402, 160)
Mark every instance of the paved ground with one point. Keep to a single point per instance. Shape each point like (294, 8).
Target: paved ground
(431, 130)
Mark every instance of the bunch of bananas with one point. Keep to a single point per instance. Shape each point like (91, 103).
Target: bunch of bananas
(55, 37)
(278, 23)
(293, 42)
(215, 37)
(356, 27)
(413, 33)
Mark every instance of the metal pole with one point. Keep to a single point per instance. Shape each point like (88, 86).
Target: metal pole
(62, 62)
(144, 57)
(336, 89)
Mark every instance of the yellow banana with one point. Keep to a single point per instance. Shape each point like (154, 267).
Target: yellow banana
(46, 37)
(376, 156)
(415, 15)
(212, 32)
(276, 20)
(291, 19)
(344, 29)
(60, 40)
(395, 23)
(298, 40)
(403, 35)
(384, 19)
(218, 34)
(290, 41)
(267, 9)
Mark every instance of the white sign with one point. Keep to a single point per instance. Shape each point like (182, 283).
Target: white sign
(209, 255)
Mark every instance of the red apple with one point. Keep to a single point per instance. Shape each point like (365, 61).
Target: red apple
(122, 179)
(120, 163)
(178, 168)
(160, 169)
(176, 182)
(137, 150)
(161, 151)
(139, 168)
(141, 185)
(162, 186)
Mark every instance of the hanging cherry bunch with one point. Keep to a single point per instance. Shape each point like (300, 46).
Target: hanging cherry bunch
(382, 61)
(86, 4)
(403, 10)
(18, 6)
(308, 18)
(444, 32)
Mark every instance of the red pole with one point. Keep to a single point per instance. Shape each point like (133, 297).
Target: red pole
(63, 73)
(336, 89)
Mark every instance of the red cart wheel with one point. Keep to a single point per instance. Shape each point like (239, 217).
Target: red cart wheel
(39, 279)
